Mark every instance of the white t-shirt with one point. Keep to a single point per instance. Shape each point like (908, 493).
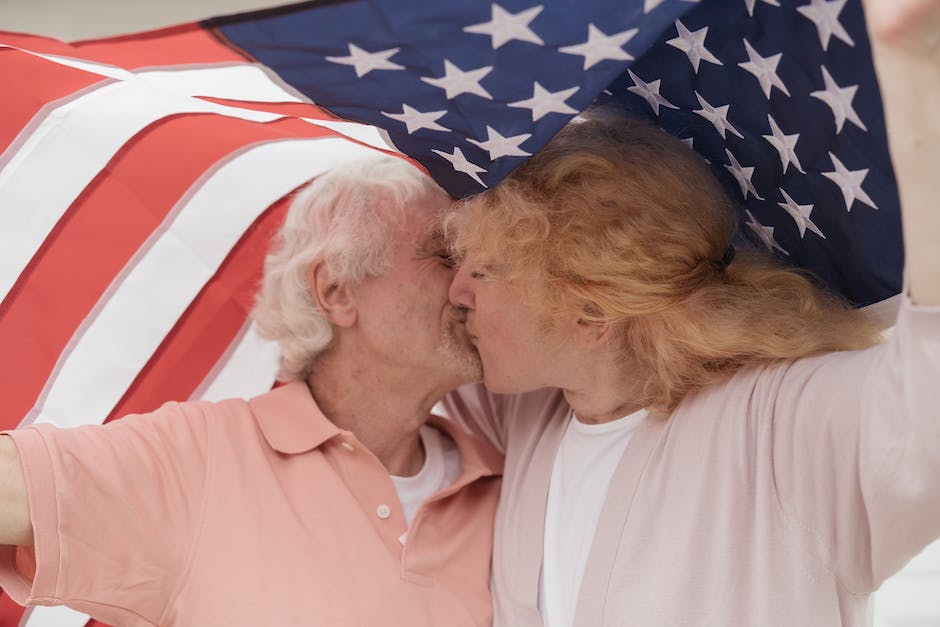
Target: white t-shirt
(441, 468)
(584, 465)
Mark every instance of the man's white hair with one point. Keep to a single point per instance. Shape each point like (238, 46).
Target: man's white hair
(344, 219)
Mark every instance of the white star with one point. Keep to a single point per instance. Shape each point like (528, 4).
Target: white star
(365, 62)
(718, 116)
(785, 145)
(839, 100)
(415, 120)
(544, 102)
(455, 81)
(505, 26)
(649, 92)
(499, 146)
(600, 47)
(693, 45)
(800, 215)
(765, 233)
(765, 69)
(461, 164)
(688, 142)
(750, 5)
(850, 182)
(825, 15)
(742, 175)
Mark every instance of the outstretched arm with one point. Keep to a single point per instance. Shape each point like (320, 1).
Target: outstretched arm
(905, 36)
(15, 527)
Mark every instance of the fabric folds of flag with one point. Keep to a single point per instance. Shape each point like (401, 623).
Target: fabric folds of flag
(142, 176)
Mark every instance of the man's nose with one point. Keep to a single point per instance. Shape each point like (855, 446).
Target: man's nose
(460, 293)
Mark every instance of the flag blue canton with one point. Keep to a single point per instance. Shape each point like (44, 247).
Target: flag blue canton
(780, 96)
(468, 88)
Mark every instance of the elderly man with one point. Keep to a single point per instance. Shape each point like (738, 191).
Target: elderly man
(336, 499)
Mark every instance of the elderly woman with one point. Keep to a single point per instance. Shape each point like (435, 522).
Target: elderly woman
(725, 444)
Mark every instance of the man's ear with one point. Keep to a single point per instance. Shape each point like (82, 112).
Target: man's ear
(334, 299)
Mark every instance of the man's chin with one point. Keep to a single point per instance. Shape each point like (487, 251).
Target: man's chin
(462, 354)
(472, 366)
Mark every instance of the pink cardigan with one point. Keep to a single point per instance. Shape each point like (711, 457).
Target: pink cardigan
(783, 497)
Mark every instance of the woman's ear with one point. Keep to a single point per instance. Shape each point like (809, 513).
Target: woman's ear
(334, 299)
(592, 330)
(592, 334)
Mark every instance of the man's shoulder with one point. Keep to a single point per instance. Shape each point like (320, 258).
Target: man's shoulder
(278, 400)
(197, 411)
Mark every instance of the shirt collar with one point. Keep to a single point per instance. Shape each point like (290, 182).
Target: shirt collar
(290, 419)
(292, 423)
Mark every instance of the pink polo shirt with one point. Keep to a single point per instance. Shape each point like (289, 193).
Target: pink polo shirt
(247, 513)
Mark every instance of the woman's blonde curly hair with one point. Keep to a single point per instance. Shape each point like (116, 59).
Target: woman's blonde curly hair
(626, 225)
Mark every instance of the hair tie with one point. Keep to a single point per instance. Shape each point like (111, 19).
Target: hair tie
(726, 258)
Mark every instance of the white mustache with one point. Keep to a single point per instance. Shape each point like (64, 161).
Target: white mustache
(457, 314)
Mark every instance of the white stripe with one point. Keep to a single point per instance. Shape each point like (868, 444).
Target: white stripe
(101, 69)
(243, 81)
(362, 132)
(235, 80)
(248, 368)
(142, 306)
(77, 139)
(58, 616)
(67, 150)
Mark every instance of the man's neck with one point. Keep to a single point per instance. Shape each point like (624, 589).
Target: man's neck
(384, 411)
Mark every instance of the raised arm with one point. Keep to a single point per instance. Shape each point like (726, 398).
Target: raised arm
(15, 526)
(905, 37)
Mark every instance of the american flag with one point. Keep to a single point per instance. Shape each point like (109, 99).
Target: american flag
(141, 177)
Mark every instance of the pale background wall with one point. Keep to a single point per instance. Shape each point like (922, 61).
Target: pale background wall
(910, 599)
(85, 19)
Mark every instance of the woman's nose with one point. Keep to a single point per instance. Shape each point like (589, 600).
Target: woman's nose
(460, 293)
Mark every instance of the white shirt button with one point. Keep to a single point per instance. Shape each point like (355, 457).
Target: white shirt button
(346, 445)
(383, 511)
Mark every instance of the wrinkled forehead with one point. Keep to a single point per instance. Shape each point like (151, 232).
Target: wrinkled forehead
(421, 222)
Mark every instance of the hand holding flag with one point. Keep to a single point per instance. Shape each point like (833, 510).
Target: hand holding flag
(906, 45)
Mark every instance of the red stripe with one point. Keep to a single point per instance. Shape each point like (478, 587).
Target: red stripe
(102, 230)
(47, 81)
(37, 43)
(209, 325)
(291, 109)
(176, 45)
(10, 612)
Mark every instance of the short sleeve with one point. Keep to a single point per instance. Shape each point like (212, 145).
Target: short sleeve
(114, 510)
